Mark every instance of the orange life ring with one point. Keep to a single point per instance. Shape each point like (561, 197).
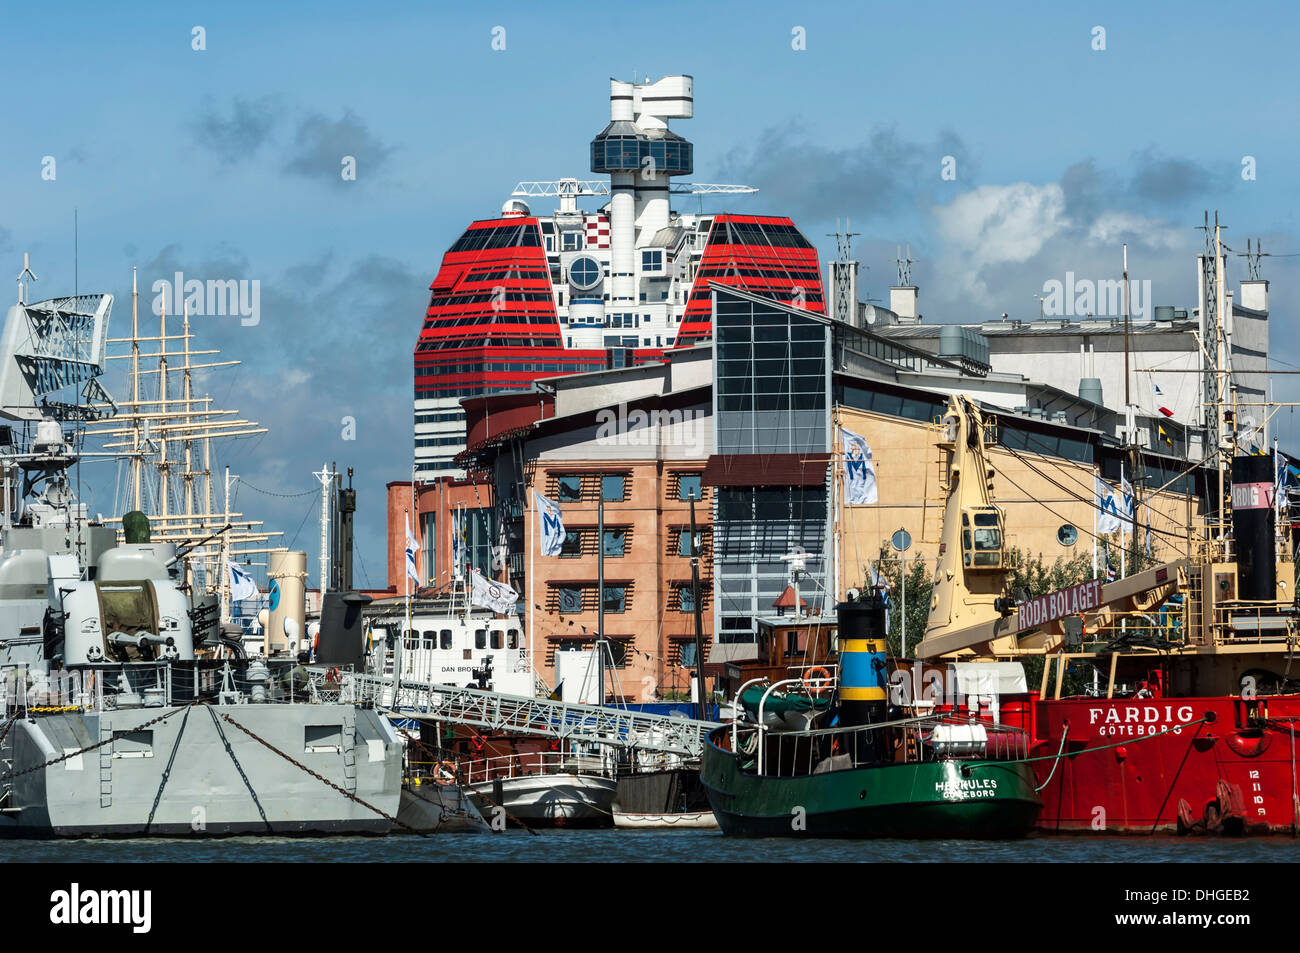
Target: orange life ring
(445, 773)
(819, 674)
(332, 675)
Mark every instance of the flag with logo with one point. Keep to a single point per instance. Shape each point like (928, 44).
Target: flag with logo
(1127, 504)
(550, 525)
(859, 472)
(1164, 435)
(491, 594)
(242, 585)
(412, 547)
(1108, 502)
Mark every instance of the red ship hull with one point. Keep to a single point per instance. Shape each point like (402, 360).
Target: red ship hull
(1163, 765)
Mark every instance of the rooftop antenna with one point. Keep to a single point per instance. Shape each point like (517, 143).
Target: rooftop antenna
(23, 276)
(842, 271)
(905, 267)
(1253, 258)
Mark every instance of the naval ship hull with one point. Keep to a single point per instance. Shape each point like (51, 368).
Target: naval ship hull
(196, 775)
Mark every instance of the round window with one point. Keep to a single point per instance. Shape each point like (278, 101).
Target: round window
(1067, 535)
(584, 272)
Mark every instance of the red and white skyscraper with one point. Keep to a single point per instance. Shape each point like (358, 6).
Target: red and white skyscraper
(525, 296)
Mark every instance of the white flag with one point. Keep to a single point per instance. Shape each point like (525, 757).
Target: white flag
(412, 547)
(1127, 504)
(241, 583)
(1108, 520)
(859, 472)
(550, 525)
(457, 543)
(496, 596)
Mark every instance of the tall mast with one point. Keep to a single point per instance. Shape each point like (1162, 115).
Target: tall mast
(163, 465)
(136, 461)
(1222, 360)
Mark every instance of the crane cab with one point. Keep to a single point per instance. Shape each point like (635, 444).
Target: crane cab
(983, 542)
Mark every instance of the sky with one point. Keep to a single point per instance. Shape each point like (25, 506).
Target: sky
(1007, 144)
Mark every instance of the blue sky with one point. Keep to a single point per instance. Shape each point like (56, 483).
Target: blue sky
(224, 163)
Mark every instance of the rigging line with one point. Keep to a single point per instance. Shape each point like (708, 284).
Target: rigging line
(287, 496)
(311, 508)
(1089, 500)
(167, 771)
(238, 767)
(1029, 498)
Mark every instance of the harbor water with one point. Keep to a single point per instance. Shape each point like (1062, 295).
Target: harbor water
(618, 846)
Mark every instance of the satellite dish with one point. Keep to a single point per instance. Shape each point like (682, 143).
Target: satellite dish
(852, 595)
(313, 630)
(58, 494)
(291, 628)
(871, 314)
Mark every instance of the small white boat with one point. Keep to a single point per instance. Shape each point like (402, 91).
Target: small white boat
(685, 820)
(543, 789)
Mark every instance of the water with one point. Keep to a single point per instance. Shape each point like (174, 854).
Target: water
(621, 846)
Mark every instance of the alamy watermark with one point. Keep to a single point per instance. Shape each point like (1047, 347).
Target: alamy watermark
(685, 429)
(1083, 297)
(216, 296)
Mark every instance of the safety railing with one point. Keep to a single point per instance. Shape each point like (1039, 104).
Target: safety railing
(505, 767)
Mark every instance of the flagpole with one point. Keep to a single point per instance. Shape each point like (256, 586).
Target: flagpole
(1096, 475)
(1123, 543)
(532, 561)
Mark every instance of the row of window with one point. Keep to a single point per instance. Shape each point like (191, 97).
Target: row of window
(789, 296)
(503, 236)
(442, 639)
(486, 318)
(788, 272)
(507, 273)
(577, 599)
(453, 342)
(430, 418)
(582, 542)
(487, 296)
(752, 233)
(575, 487)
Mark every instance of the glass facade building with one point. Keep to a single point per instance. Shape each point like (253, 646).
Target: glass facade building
(771, 386)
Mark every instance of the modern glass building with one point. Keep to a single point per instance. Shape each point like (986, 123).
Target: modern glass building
(772, 426)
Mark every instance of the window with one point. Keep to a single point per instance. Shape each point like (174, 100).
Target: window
(572, 241)
(480, 638)
(652, 260)
(570, 600)
(687, 484)
(512, 639)
(686, 595)
(791, 642)
(615, 599)
(569, 488)
(318, 739)
(572, 545)
(612, 488)
(444, 638)
(684, 542)
(1067, 535)
(430, 639)
(614, 541)
(497, 641)
(411, 640)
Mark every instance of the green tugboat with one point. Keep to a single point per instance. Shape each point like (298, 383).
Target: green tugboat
(869, 774)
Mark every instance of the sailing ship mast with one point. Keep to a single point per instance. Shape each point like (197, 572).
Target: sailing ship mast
(163, 434)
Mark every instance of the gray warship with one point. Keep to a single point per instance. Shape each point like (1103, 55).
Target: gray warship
(124, 710)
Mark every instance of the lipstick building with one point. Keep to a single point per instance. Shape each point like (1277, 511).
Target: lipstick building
(611, 277)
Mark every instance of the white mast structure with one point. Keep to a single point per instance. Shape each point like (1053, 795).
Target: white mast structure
(326, 477)
(166, 481)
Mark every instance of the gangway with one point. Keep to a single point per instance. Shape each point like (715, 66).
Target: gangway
(542, 717)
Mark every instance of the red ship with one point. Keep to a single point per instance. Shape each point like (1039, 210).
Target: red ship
(1191, 722)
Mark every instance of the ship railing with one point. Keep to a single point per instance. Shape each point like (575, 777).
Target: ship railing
(505, 767)
(1254, 622)
(108, 686)
(802, 753)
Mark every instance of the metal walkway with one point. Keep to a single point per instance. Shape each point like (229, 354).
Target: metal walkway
(533, 716)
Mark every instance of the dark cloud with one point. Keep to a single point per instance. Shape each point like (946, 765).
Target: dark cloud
(236, 135)
(1163, 180)
(884, 174)
(321, 143)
